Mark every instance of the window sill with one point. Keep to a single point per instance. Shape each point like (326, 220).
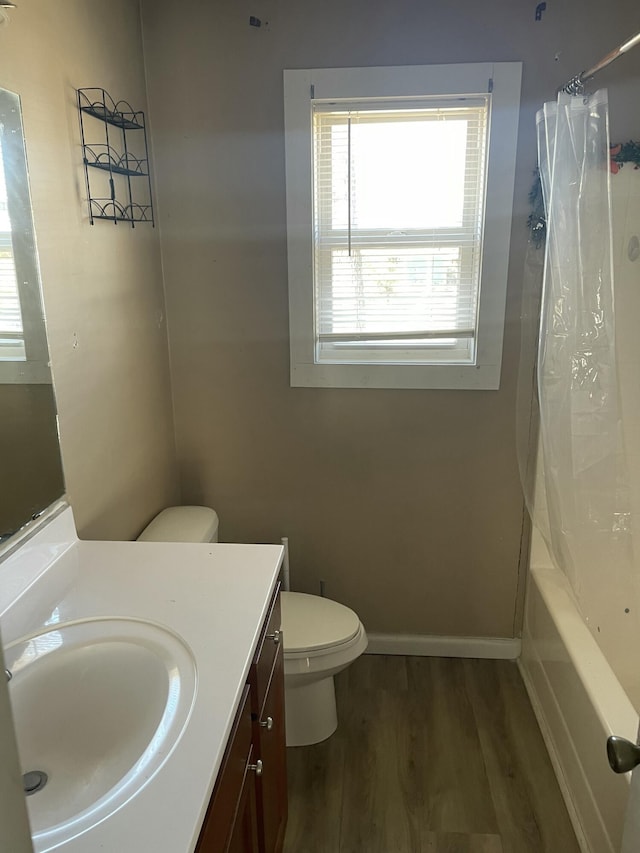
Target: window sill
(484, 377)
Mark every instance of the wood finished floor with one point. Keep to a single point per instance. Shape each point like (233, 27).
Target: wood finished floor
(432, 755)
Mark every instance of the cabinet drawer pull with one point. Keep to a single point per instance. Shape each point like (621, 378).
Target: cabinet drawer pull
(257, 767)
(267, 724)
(276, 636)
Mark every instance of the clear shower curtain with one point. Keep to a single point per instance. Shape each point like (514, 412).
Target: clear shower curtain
(582, 498)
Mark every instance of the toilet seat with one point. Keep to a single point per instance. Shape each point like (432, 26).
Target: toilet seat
(311, 624)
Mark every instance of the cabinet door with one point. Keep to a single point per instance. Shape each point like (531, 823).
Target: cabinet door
(272, 783)
(231, 786)
(244, 836)
(270, 642)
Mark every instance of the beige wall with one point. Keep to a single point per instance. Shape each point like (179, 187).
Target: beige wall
(407, 503)
(102, 284)
(626, 222)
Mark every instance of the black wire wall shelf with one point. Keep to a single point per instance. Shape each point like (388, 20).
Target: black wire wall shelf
(121, 159)
(107, 208)
(114, 114)
(107, 158)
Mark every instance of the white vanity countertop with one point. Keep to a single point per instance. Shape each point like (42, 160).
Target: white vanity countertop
(215, 597)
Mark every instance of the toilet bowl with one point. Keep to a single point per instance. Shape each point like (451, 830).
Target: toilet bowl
(320, 637)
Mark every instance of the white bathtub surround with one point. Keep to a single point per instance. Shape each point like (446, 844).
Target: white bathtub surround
(428, 645)
(213, 597)
(579, 702)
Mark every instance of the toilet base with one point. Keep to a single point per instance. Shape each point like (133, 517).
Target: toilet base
(311, 714)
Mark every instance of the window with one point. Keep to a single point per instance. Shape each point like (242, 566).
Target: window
(23, 344)
(11, 329)
(399, 194)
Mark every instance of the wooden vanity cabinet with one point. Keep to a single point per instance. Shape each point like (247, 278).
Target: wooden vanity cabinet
(248, 808)
(244, 834)
(267, 707)
(231, 820)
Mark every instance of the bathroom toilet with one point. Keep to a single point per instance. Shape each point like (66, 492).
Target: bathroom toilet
(321, 637)
(182, 524)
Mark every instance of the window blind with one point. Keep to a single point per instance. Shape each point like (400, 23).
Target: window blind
(398, 219)
(12, 346)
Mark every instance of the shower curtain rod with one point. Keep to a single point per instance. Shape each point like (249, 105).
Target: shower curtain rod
(575, 86)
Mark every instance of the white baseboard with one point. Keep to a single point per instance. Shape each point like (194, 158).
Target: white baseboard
(426, 645)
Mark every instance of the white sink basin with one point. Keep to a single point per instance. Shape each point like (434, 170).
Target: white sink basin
(98, 706)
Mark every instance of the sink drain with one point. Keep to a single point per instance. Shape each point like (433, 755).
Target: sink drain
(34, 781)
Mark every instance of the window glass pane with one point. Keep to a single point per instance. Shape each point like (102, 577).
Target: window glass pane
(398, 200)
(5, 223)
(11, 341)
(398, 225)
(408, 174)
(396, 289)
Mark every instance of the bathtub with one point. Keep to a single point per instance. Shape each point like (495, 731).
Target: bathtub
(578, 702)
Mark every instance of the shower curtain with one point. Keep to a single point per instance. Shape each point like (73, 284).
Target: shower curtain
(582, 495)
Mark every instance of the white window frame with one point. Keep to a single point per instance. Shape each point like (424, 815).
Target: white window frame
(301, 86)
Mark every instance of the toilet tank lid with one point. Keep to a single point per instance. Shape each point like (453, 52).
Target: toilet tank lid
(311, 623)
(182, 524)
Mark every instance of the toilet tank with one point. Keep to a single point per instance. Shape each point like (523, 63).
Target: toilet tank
(182, 524)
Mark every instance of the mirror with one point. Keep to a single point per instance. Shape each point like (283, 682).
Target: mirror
(30, 465)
